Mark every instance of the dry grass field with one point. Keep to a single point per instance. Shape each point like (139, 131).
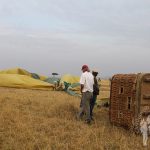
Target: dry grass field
(104, 89)
(46, 120)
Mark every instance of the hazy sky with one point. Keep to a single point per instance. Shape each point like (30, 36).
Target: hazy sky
(46, 36)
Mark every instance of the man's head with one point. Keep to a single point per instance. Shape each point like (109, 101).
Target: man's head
(85, 68)
(95, 72)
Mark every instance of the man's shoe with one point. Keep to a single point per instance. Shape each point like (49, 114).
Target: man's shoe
(92, 118)
(88, 121)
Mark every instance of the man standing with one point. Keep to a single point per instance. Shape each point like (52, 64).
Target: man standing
(95, 92)
(86, 82)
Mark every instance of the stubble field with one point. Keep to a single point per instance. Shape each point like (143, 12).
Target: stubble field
(46, 120)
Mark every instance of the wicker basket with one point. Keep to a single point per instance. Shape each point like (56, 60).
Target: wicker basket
(130, 96)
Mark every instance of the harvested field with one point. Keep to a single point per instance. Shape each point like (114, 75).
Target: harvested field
(46, 120)
(104, 90)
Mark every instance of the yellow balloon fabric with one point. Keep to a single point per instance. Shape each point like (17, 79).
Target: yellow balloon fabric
(23, 81)
(43, 78)
(70, 79)
(16, 71)
(21, 72)
(20, 78)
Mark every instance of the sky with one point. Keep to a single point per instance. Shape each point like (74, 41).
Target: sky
(45, 36)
